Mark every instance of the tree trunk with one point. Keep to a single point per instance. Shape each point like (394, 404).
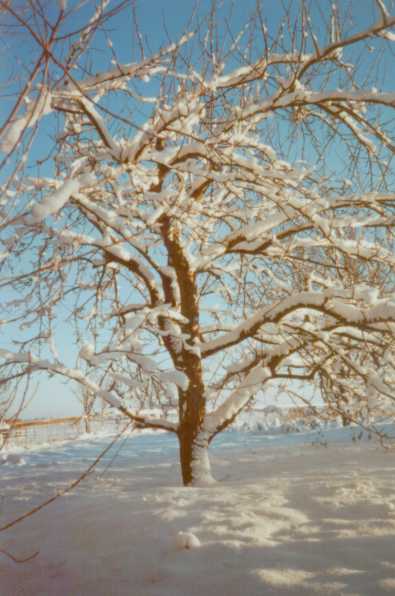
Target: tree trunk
(194, 458)
(345, 420)
(87, 424)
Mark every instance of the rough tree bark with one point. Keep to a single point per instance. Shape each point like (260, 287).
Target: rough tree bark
(194, 457)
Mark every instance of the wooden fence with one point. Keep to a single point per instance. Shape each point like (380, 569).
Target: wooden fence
(38, 432)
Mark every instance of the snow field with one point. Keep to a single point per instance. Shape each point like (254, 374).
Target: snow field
(281, 520)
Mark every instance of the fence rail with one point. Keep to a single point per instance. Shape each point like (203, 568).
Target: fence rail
(38, 432)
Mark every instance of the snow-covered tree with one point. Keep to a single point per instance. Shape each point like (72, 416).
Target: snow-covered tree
(218, 222)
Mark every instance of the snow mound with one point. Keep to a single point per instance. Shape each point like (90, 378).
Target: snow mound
(13, 459)
(187, 541)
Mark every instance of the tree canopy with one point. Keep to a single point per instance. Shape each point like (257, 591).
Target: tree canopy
(217, 219)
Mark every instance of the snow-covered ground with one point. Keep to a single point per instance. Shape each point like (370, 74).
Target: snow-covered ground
(288, 516)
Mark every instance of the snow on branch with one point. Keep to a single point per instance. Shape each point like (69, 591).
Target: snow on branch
(37, 364)
(14, 130)
(325, 302)
(145, 68)
(238, 399)
(57, 200)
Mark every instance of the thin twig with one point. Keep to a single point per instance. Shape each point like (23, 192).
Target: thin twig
(17, 560)
(69, 488)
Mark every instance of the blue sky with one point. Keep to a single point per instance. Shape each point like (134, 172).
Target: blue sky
(160, 21)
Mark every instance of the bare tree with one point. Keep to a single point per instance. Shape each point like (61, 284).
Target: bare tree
(219, 222)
